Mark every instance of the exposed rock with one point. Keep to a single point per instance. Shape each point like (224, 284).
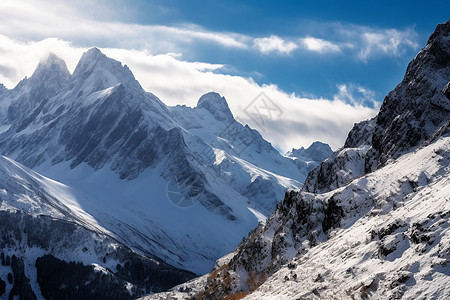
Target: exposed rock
(352, 196)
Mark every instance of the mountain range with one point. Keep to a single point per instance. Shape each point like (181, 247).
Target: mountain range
(106, 192)
(118, 183)
(371, 220)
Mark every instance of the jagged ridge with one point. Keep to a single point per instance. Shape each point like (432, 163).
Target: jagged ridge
(123, 152)
(393, 166)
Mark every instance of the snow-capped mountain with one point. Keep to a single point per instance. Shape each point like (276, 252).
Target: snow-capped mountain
(51, 248)
(372, 220)
(179, 183)
(345, 164)
(309, 158)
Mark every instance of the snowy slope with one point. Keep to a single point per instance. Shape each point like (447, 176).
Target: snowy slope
(42, 221)
(400, 247)
(184, 184)
(25, 190)
(392, 239)
(237, 154)
(371, 220)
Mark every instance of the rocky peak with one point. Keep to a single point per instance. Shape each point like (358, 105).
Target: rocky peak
(51, 70)
(340, 193)
(361, 134)
(318, 151)
(51, 62)
(418, 106)
(216, 105)
(439, 43)
(32, 94)
(92, 54)
(95, 71)
(409, 115)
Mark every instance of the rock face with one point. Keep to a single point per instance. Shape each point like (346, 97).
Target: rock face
(66, 118)
(135, 165)
(372, 219)
(361, 134)
(345, 164)
(418, 106)
(409, 115)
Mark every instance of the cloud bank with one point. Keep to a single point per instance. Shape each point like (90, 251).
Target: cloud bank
(274, 43)
(301, 122)
(319, 45)
(156, 55)
(91, 23)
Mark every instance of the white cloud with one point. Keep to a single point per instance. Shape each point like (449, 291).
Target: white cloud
(356, 94)
(387, 42)
(34, 20)
(158, 64)
(274, 43)
(101, 23)
(370, 43)
(302, 120)
(19, 59)
(319, 45)
(361, 42)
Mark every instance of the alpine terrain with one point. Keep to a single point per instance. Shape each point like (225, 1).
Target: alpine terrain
(142, 196)
(372, 220)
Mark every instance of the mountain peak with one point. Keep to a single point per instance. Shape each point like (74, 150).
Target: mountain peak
(438, 44)
(53, 64)
(101, 72)
(50, 60)
(216, 105)
(442, 31)
(93, 55)
(418, 106)
(91, 58)
(94, 51)
(318, 151)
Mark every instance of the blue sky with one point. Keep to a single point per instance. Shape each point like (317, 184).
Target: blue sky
(302, 72)
(326, 64)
